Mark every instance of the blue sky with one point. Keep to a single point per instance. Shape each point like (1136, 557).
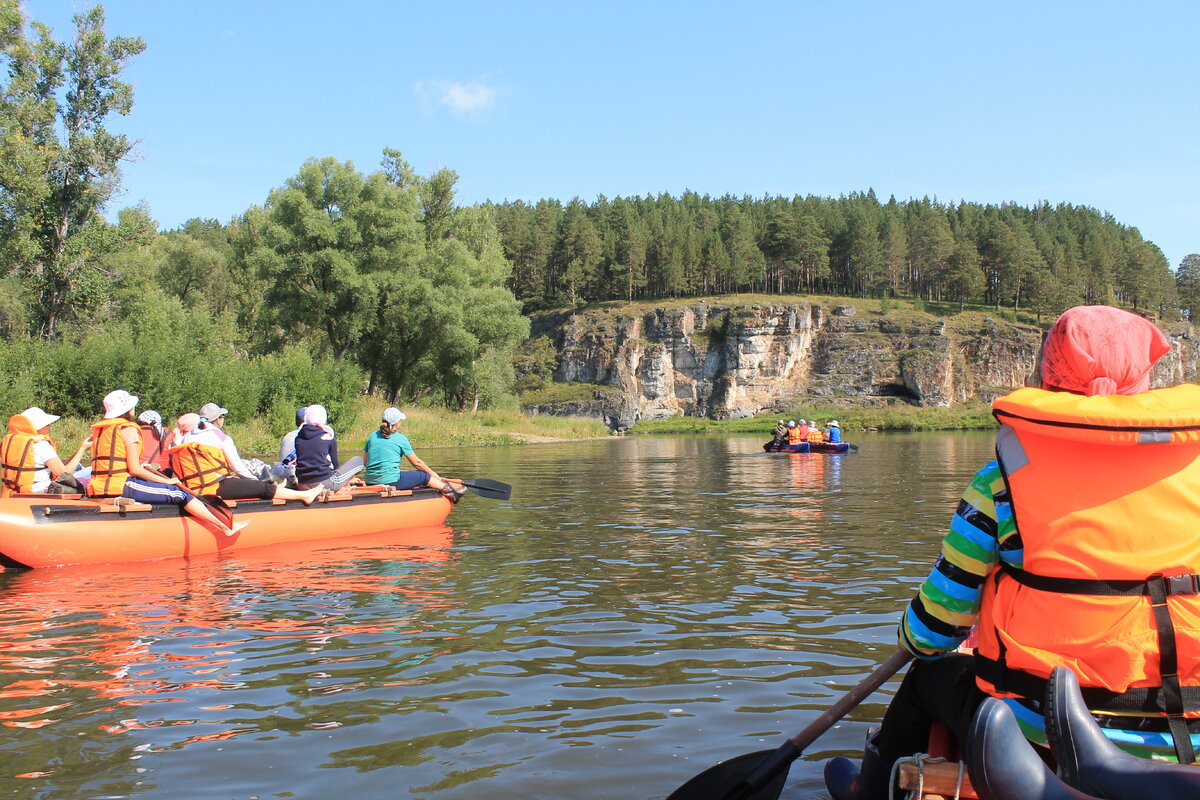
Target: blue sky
(1089, 103)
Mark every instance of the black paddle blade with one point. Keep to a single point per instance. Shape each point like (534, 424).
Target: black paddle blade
(728, 780)
(219, 508)
(484, 487)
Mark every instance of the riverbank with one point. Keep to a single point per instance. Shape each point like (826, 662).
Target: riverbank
(967, 416)
(434, 427)
(426, 427)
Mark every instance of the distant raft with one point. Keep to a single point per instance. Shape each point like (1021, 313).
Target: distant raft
(808, 447)
(50, 530)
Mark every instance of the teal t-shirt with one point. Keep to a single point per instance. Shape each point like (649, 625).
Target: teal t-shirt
(384, 456)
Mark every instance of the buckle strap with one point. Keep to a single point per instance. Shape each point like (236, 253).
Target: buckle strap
(1174, 585)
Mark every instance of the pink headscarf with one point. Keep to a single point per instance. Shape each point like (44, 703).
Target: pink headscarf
(185, 425)
(1101, 350)
(317, 416)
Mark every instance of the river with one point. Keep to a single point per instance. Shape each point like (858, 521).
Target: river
(642, 608)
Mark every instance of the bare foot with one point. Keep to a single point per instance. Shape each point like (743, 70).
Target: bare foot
(311, 495)
(237, 528)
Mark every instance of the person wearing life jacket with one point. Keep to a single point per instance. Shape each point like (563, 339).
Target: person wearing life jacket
(833, 433)
(155, 440)
(29, 461)
(814, 433)
(203, 466)
(793, 433)
(1076, 547)
(802, 429)
(212, 419)
(118, 470)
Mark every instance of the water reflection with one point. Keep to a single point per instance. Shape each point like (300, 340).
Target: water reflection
(640, 609)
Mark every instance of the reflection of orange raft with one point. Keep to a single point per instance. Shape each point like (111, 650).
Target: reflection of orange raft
(47, 530)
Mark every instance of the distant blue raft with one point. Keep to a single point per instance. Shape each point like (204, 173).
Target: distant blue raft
(806, 447)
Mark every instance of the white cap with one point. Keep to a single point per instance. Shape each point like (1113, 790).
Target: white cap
(393, 415)
(791, 423)
(834, 424)
(118, 402)
(212, 411)
(38, 418)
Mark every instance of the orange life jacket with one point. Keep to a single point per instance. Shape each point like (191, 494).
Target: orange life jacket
(200, 466)
(109, 468)
(1105, 495)
(17, 464)
(794, 436)
(815, 437)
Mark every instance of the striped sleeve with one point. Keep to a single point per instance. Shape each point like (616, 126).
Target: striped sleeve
(941, 615)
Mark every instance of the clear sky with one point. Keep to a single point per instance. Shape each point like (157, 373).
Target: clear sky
(1090, 103)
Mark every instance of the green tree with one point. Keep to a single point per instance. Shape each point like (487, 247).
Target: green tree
(59, 164)
(577, 256)
(1187, 281)
(329, 237)
(963, 277)
(437, 203)
(930, 248)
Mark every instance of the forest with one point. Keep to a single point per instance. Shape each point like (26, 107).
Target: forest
(344, 282)
(1042, 259)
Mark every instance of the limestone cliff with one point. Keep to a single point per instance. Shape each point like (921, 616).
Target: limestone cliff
(729, 361)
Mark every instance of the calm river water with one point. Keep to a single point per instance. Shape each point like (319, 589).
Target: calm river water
(641, 609)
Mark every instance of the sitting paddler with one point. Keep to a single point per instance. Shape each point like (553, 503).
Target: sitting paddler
(779, 435)
(384, 450)
(212, 419)
(29, 462)
(833, 433)
(317, 454)
(118, 471)
(155, 440)
(199, 459)
(1057, 555)
(793, 433)
(814, 433)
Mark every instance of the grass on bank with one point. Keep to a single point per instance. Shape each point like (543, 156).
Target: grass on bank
(968, 416)
(426, 427)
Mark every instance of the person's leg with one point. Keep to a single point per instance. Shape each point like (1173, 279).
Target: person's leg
(307, 496)
(941, 690)
(198, 509)
(168, 494)
(412, 478)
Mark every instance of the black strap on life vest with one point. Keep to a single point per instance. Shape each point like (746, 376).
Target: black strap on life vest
(12, 471)
(205, 478)
(1171, 698)
(104, 465)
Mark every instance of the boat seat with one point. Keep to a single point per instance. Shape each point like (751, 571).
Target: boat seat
(115, 505)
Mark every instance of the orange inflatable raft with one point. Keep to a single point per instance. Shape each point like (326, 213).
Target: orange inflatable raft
(50, 530)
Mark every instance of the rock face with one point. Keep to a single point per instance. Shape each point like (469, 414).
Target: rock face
(726, 361)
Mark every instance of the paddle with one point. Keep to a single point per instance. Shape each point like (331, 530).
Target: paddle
(485, 487)
(761, 775)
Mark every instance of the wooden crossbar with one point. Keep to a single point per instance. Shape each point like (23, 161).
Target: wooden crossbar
(939, 780)
(115, 505)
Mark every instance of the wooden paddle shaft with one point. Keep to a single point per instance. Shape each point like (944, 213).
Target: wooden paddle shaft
(835, 712)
